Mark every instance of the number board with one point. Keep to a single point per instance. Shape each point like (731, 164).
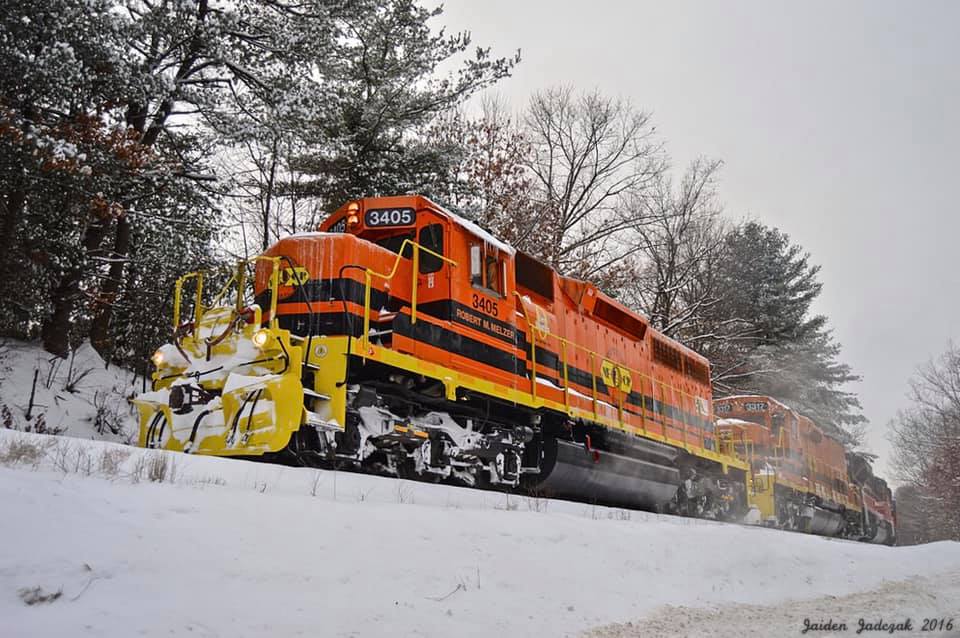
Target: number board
(722, 408)
(339, 227)
(755, 406)
(378, 217)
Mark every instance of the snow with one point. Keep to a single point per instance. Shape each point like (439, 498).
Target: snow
(756, 396)
(548, 382)
(172, 356)
(737, 423)
(577, 393)
(69, 392)
(234, 548)
(312, 235)
(891, 604)
(480, 232)
(240, 381)
(574, 392)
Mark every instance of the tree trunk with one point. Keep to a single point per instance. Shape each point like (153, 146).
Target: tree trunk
(10, 279)
(13, 210)
(55, 332)
(100, 336)
(56, 328)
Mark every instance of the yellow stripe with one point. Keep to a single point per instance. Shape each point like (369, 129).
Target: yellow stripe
(454, 379)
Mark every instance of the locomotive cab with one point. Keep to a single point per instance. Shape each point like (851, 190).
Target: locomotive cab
(447, 291)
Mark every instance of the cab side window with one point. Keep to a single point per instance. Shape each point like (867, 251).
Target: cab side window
(431, 238)
(492, 277)
(487, 269)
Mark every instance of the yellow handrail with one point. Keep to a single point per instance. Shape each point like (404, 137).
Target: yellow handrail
(566, 381)
(593, 381)
(178, 291)
(239, 277)
(369, 275)
(725, 439)
(676, 393)
(223, 291)
(641, 375)
(643, 409)
(533, 365)
(593, 355)
(368, 282)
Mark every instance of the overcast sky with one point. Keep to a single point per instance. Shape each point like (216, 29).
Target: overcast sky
(837, 123)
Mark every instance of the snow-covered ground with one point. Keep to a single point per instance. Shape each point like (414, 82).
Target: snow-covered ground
(922, 606)
(78, 396)
(218, 547)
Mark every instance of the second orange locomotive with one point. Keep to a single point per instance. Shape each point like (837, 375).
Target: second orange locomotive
(802, 478)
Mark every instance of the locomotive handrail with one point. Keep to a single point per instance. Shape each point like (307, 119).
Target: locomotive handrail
(178, 291)
(225, 289)
(677, 393)
(664, 386)
(369, 274)
(198, 301)
(725, 437)
(239, 276)
(274, 287)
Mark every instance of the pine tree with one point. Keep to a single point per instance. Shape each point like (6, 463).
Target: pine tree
(381, 88)
(189, 61)
(64, 164)
(112, 113)
(761, 336)
(76, 183)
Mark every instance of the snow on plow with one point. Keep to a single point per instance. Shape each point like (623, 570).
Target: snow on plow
(227, 385)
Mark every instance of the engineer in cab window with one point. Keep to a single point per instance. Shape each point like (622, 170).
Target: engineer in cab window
(486, 270)
(493, 274)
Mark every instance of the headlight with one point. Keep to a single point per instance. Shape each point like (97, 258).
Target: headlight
(261, 338)
(157, 358)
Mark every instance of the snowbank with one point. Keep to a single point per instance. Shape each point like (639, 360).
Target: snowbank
(916, 607)
(232, 548)
(78, 396)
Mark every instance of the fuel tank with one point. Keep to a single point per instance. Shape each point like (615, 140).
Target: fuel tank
(574, 470)
(823, 522)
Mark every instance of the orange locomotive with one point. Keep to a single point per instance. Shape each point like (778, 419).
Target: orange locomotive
(879, 520)
(803, 478)
(402, 339)
(464, 358)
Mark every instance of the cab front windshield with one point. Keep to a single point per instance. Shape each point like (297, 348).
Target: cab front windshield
(394, 242)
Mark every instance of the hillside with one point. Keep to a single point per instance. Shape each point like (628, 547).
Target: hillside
(214, 547)
(79, 396)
